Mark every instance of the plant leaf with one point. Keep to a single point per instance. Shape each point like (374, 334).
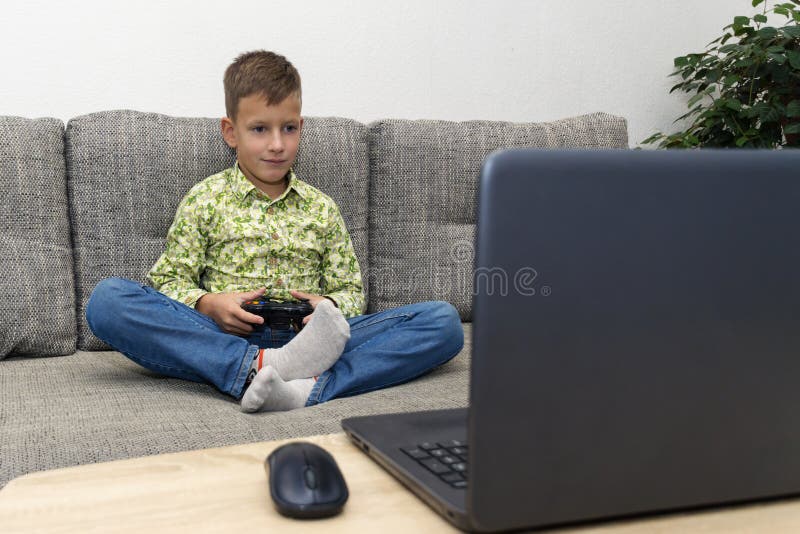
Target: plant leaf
(793, 109)
(792, 129)
(792, 31)
(760, 18)
(689, 114)
(675, 87)
(757, 2)
(730, 79)
(735, 105)
(681, 61)
(653, 138)
(794, 59)
(695, 99)
(780, 59)
(767, 33)
(764, 111)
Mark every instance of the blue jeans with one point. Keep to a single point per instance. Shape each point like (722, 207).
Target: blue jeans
(172, 339)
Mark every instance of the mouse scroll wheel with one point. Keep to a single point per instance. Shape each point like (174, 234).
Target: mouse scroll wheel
(311, 478)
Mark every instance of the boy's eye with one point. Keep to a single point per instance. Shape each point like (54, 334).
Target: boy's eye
(290, 128)
(259, 129)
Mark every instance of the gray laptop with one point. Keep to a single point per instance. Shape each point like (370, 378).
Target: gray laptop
(636, 342)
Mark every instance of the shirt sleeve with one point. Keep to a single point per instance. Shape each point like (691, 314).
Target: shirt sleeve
(177, 272)
(341, 274)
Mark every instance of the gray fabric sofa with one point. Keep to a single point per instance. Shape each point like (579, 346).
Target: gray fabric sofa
(95, 199)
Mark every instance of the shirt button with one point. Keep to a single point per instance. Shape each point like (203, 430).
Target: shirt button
(273, 261)
(279, 282)
(271, 211)
(275, 236)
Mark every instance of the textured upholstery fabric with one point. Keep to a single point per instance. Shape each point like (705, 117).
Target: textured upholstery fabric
(127, 172)
(99, 406)
(334, 158)
(423, 185)
(37, 296)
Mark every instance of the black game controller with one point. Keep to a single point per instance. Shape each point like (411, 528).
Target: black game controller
(279, 315)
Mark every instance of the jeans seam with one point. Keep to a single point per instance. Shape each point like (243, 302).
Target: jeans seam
(186, 315)
(137, 359)
(391, 384)
(244, 370)
(381, 320)
(370, 340)
(319, 387)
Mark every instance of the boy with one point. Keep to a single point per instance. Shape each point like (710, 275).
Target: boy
(256, 230)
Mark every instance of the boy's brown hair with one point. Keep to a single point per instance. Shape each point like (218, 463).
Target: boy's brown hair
(262, 72)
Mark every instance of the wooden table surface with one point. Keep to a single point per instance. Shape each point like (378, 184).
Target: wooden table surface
(225, 490)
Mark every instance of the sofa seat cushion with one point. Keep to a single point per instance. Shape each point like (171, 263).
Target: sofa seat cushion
(100, 406)
(129, 170)
(37, 294)
(424, 177)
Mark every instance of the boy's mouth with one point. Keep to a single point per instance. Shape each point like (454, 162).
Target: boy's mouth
(274, 161)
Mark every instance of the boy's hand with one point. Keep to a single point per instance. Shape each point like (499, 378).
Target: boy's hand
(226, 310)
(311, 298)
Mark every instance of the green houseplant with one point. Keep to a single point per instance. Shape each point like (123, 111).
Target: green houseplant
(745, 87)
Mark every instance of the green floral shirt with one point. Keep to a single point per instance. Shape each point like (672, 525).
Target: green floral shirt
(229, 236)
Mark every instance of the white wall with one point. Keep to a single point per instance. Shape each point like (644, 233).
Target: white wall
(518, 60)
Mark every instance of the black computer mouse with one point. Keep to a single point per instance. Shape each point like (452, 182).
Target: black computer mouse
(305, 481)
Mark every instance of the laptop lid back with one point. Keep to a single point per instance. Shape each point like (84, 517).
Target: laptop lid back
(636, 337)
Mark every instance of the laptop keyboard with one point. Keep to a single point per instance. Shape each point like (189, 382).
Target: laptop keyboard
(447, 460)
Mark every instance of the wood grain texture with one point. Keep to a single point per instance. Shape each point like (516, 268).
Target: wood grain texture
(225, 490)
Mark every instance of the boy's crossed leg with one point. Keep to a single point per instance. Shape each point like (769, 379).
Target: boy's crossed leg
(312, 351)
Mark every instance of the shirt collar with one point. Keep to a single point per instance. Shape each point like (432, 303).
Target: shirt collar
(242, 186)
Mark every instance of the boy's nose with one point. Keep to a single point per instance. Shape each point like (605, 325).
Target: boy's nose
(275, 144)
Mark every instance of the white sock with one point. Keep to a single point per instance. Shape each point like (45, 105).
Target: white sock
(270, 393)
(313, 350)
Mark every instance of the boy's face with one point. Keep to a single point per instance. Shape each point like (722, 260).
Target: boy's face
(265, 139)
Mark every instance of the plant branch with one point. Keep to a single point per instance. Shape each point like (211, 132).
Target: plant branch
(738, 90)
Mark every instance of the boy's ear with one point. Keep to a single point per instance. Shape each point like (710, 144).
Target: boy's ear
(228, 132)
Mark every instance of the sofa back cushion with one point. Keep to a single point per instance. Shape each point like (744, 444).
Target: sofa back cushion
(37, 294)
(424, 177)
(127, 172)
